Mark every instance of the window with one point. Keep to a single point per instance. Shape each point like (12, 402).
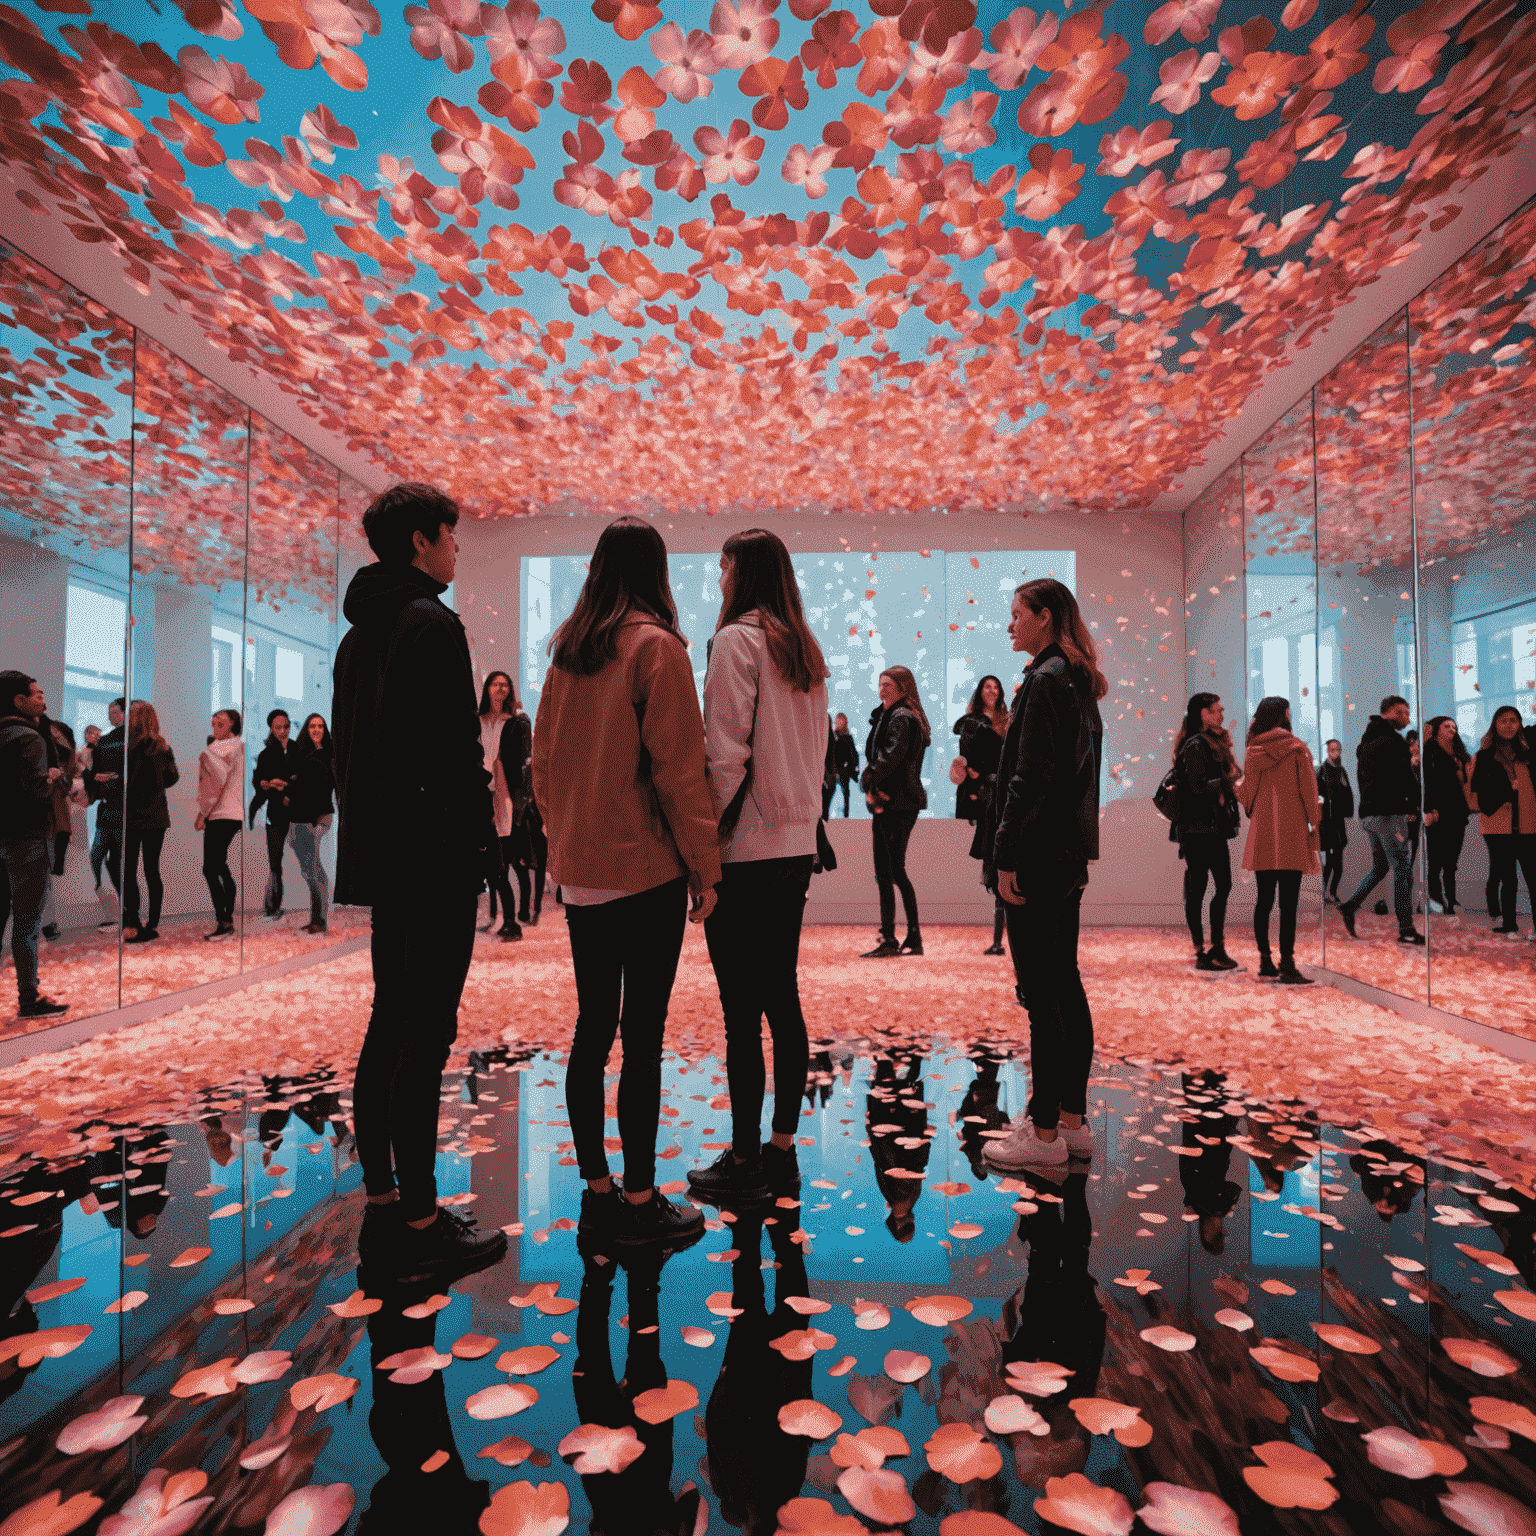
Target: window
(95, 627)
(1495, 659)
(226, 688)
(288, 674)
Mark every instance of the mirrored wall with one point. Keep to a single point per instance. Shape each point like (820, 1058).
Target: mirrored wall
(169, 567)
(1386, 537)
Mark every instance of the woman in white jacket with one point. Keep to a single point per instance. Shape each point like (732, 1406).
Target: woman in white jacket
(220, 810)
(765, 740)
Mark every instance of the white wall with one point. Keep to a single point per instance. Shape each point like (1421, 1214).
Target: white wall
(1130, 583)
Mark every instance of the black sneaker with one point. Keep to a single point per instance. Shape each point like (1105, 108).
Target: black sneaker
(223, 931)
(509, 932)
(912, 944)
(51, 932)
(1347, 917)
(1412, 936)
(1380, 909)
(727, 1181)
(600, 1211)
(41, 1008)
(143, 936)
(658, 1220)
(1203, 961)
(1221, 960)
(994, 949)
(781, 1169)
(449, 1248)
(1290, 977)
(886, 949)
(1267, 971)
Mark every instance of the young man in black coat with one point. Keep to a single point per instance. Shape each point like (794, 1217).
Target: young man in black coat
(27, 775)
(415, 833)
(1389, 812)
(845, 759)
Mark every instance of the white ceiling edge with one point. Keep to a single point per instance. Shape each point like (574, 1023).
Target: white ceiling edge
(1484, 206)
(97, 271)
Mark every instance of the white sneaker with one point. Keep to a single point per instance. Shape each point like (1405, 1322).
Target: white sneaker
(1079, 1141)
(1024, 1149)
(1436, 908)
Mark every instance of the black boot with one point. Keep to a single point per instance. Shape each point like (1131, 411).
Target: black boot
(1289, 976)
(912, 944)
(729, 1180)
(1267, 971)
(886, 949)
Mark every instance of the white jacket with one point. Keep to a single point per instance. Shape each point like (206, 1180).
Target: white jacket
(221, 780)
(752, 715)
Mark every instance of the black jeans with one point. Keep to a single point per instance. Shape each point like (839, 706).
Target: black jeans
(150, 842)
(1508, 851)
(217, 836)
(625, 956)
(107, 849)
(1206, 854)
(277, 840)
(1333, 868)
(423, 938)
(754, 946)
(1444, 840)
(1288, 883)
(1042, 935)
(503, 887)
(892, 831)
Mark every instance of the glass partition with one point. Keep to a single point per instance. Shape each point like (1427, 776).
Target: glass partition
(66, 381)
(186, 745)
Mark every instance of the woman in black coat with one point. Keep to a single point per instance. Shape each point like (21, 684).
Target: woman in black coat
(1338, 798)
(1047, 816)
(1208, 821)
(310, 807)
(151, 770)
(974, 772)
(892, 782)
(275, 765)
(1447, 767)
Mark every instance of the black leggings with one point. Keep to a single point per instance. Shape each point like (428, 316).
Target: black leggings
(1206, 854)
(892, 830)
(537, 845)
(1444, 840)
(625, 955)
(423, 939)
(1506, 852)
(754, 946)
(503, 886)
(1333, 868)
(1043, 937)
(1288, 883)
(150, 842)
(217, 836)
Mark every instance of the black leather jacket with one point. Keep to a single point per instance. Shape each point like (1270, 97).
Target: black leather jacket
(1384, 769)
(894, 756)
(1207, 800)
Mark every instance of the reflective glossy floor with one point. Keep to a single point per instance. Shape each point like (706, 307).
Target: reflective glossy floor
(1233, 1317)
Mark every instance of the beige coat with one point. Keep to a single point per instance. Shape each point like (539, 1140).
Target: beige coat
(1279, 793)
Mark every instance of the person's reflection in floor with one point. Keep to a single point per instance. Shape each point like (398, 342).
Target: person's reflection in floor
(979, 1110)
(1057, 1317)
(410, 1424)
(754, 1467)
(1389, 1178)
(818, 1080)
(140, 1201)
(221, 1144)
(636, 1501)
(896, 1120)
(1208, 1193)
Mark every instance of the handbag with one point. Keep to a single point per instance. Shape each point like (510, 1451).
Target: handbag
(825, 858)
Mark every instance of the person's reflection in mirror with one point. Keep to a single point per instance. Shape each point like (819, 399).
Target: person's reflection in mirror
(1337, 795)
(307, 803)
(1389, 806)
(151, 768)
(103, 780)
(979, 1110)
(221, 1144)
(1057, 1318)
(1389, 1178)
(142, 1196)
(220, 786)
(1447, 770)
(275, 764)
(897, 1119)
(66, 759)
(410, 1424)
(818, 1080)
(755, 1468)
(1506, 800)
(637, 1499)
(1208, 1193)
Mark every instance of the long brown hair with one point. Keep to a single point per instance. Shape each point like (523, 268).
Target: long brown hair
(144, 725)
(628, 571)
(1068, 628)
(998, 716)
(1516, 743)
(1191, 725)
(511, 706)
(763, 578)
(904, 680)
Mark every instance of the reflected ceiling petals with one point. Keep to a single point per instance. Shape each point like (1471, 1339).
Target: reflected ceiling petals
(700, 1338)
(880, 1495)
(313, 1511)
(190, 1256)
(1514, 1417)
(905, 1366)
(807, 1306)
(1346, 1339)
(1395, 1450)
(1037, 1378)
(1486, 1511)
(163, 1502)
(426, 1308)
(1481, 1357)
(1080, 1505)
(322, 1392)
(52, 1514)
(527, 1361)
(53, 1290)
(127, 1302)
(961, 1454)
(1102, 1416)
(598, 1449)
(527, 1509)
(805, 1416)
(1291, 1478)
(871, 1315)
(843, 1366)
(939, 1311)
(509, 1452)
(115, 1421)
(869, 1447)
(502, 1400)
(472, 1346)
(216, 1380)
(410, 1366)
(1230, 1317)
(1011, 1415)
(816, 1517)
(802, 1343)
(1173, 1510)
(1285, 1364)
(659, 1404)
(1165, 1336)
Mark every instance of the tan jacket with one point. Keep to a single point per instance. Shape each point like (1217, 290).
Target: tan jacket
(1279, 793)
(618, 769)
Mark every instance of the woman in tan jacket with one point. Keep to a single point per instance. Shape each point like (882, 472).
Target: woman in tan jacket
(618, 776)
(1279, 792)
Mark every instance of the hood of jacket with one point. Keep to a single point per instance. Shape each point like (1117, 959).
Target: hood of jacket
(1275, 746)
(231, 746)
(377, 593)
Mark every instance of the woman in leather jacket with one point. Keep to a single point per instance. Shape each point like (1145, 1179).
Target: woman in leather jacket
(974, 773)
(892, 782)
(1208, 821)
